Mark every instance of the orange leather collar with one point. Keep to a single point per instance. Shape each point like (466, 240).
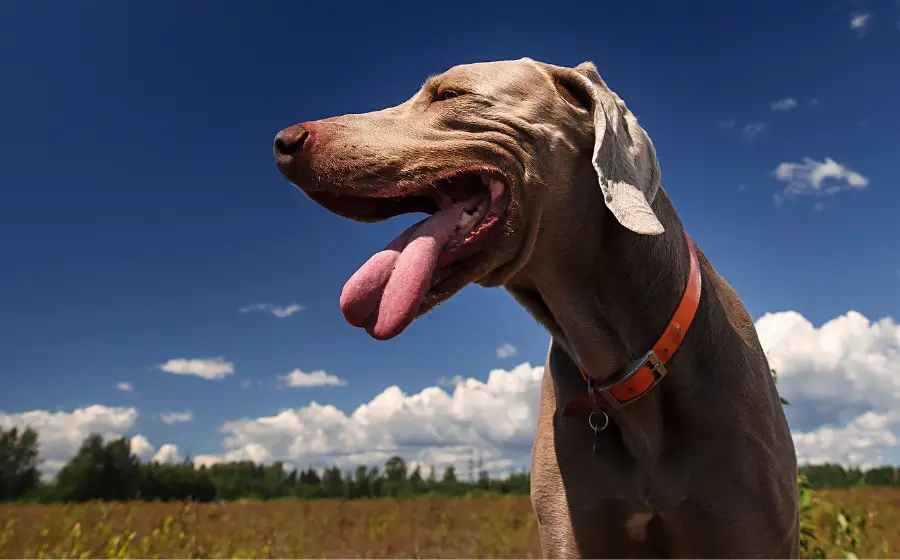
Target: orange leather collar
(639, 376)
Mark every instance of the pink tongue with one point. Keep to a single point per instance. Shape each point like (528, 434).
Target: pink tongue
(384, 295)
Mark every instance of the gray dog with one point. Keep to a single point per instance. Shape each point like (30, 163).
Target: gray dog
(660, 431)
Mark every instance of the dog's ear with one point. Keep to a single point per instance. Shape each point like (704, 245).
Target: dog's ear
(623, 156)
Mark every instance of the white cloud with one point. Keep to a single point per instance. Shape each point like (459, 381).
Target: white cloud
(127, 387)
(207, 368)
(61, 433)
(496, 418)
(835, 372)
(141, 447)
(168, 453)
(842, 378)
(317, 378)
(176, 417)
(843, 381)
(752, 130)
(280, 312)
(506, 351)
(863, 442)
(785, 104)
(820, 178)
(859, 22)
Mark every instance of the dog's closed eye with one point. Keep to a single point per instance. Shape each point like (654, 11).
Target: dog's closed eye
(447, 94)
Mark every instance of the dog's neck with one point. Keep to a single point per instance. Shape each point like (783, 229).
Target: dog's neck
(607, 297)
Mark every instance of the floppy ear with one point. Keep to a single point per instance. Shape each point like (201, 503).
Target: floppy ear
(624, 157)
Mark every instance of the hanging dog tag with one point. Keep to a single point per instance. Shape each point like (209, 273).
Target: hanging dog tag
(599, 425)
(597, 428)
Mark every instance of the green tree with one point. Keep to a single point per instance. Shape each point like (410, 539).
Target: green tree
(310, 485)
(416, 483)
(431, 481)
(449, 475)
(333, 482)
(19, 461)
(395, 481)
(100, 471)
(395, 469)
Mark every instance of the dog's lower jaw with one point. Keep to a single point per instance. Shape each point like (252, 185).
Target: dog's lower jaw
(517, 240)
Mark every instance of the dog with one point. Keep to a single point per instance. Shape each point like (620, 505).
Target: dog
(660, 431)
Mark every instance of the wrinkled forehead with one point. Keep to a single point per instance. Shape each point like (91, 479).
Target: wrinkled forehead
(505, 76)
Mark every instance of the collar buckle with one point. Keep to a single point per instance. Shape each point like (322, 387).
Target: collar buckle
(655, 365)
(650, 361)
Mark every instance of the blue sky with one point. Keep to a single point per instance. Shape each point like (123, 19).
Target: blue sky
(142, 209)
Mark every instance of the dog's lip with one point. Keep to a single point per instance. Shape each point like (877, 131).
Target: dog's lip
(405, 187)
(378, 202)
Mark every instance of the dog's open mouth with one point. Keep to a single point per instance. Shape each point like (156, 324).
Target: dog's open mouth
(385, 294)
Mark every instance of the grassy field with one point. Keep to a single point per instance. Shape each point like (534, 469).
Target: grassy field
(488, 527)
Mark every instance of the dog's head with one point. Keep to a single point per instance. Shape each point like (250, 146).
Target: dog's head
(496, 154)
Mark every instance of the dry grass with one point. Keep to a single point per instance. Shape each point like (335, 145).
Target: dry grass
(874, 515)
(376, 528)
(462, 528)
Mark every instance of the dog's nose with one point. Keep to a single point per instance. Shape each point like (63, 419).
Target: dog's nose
(289, 142)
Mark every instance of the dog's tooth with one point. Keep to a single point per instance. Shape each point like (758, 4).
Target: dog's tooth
(465, 219)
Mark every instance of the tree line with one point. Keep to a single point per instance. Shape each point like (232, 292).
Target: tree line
(109, 471)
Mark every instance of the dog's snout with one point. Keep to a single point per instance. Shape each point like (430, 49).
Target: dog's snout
(289, 142)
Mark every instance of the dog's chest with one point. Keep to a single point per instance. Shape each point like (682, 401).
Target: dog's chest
(590, 506)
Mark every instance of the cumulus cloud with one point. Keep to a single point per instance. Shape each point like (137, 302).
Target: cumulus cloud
(495, 418)
(506, 351)
(820, 178)
(859, 22)
(317, 378)
(145, 451)
(60, 433)
(752, 130)
(842, 378)
(140, 446)
(835, 372)
(785, 104)
(126, 387)
(280, 312)
(207, 368)
(176, 417)
(168, 453)
(843, 381)
(864, 442)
